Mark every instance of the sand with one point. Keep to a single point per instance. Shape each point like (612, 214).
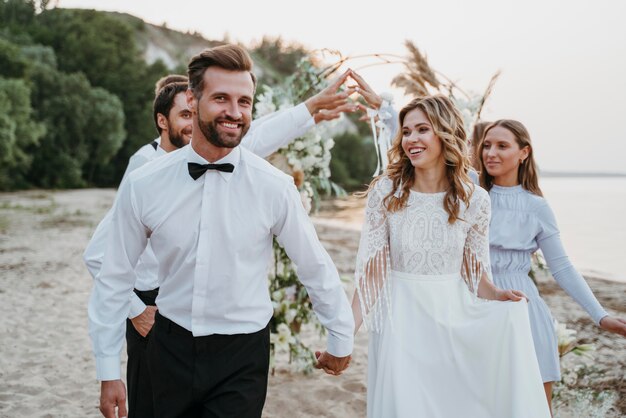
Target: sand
(46, 364)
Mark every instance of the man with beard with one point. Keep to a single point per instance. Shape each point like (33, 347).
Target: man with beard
(173, 120)
(210, 211)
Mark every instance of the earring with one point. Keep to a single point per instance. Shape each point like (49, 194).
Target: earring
(521, 161)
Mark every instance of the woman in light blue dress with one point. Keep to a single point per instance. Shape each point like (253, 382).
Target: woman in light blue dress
(521, 223)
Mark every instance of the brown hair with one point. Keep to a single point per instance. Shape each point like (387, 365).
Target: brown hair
(527, 172)
(447, 124)
(168, 79)
(229, 57)
(478, 133)
(164, 100)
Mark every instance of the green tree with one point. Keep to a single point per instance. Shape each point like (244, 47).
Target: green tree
(106, 125)
(16, 14)
(18, 132)
(81, 123)
(103, 48)
(353, 161)
(280, 59)
(12, 62)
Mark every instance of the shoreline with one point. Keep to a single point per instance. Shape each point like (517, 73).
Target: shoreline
(47, 368)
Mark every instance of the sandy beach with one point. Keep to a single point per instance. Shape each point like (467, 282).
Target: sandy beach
(47, 367)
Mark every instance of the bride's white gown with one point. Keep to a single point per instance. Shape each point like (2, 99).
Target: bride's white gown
(436, 350)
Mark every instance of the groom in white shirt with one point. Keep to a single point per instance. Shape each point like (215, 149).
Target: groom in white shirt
(210, 218)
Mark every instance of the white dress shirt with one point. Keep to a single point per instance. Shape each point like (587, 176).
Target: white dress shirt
(266, 136)
(213, 239)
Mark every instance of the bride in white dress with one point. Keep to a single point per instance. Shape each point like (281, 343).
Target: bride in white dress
(442, 342)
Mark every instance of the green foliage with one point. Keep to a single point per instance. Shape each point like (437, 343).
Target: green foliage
(282, 57)
(106, 128)
(353, 157)
(353, 161)
(16, 13)
(39, 54)
(83, 103)
(82, 123)
(12, 63)
(102, 47)
(18, 132)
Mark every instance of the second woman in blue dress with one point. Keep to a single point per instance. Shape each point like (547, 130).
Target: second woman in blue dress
(521, 223)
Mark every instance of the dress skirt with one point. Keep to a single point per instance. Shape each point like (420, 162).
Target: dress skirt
(443, 353)
(541, 323)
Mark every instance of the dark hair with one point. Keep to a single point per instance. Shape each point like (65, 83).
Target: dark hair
(164, 100)
(169, 79)
(229, 57)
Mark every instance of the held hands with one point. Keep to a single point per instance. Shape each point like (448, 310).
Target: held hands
(364, 89)
(331, 364)
(144, 321)
(509, 294)
(112, 396)
(329, 103)
(615, 325)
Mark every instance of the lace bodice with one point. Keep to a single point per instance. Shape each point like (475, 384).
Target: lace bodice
(419, 240)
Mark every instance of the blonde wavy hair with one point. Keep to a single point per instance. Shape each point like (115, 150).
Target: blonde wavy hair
(527, 172)
(447, 124)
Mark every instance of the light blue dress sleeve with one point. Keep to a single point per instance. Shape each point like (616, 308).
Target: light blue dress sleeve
(570, 280)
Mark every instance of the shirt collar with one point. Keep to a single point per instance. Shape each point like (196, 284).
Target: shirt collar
(234, 158)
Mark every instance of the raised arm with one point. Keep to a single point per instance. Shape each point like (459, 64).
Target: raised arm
(274, 131)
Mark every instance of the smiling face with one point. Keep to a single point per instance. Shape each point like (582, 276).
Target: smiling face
(502, 155)
(223, 111)
(179, 122)
(419, 141)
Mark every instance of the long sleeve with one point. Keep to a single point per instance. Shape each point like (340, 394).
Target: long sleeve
(315, 269)
(272, 132)
(109, 303)
(94, 254)
(568, 278)
(476, 262)
(373, 264)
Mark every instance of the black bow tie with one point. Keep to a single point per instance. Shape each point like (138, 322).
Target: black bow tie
(196, 170)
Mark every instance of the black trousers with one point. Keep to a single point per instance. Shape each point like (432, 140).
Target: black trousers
(211, 376)
(140, 399)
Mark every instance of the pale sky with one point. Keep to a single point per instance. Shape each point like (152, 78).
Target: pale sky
(563, 62)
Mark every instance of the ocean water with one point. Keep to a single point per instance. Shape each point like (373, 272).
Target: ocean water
(591, 213)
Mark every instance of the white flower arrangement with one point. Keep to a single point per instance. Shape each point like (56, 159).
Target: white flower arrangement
(307, 159)
(469, 107)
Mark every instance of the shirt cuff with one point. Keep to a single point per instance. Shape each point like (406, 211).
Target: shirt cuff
(108, 368)
(301, 116)
(136, 306)
(599, 316)
(339, 347)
